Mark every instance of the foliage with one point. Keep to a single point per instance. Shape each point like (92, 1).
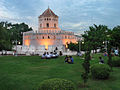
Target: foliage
(115, 36)
(109, 54)
(86, 66)
(86, 63)
(9, 33)
(5, 42)
(56, 84)
(116, 62)
(76, 46)
(17, 31)
(95, 36)
(100, 71)
(73, 46)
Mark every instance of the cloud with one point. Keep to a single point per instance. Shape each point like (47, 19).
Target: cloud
(74, 15)
(5, 13)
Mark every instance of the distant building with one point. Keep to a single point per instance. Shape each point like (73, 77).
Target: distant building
(49, 35)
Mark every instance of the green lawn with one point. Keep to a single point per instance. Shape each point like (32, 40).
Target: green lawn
(26, 72)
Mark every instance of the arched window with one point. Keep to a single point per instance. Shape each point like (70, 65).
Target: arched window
(47, 24)
(55, 25)
(43, 37)
(65, 37)
(48, 37)
(47, 19)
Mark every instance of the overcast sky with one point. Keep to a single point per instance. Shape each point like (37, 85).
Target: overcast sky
(74, 15)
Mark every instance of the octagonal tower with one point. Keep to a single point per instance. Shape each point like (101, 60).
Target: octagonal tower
(48, 20)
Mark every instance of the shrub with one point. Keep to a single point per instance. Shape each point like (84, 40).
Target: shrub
(116, 62)
(100, 71)
(56, 84)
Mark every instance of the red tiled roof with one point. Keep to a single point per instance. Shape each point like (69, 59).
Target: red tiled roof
(48, 13)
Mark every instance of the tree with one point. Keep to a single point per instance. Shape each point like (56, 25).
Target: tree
(5, 43)
(116, 36)
(11, 32)
(86, 64)
(17, 31)
(96, 35)
(73, 46)
(109, 47)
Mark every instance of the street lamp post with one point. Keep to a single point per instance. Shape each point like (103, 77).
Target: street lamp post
(16, 48)
(79, 46)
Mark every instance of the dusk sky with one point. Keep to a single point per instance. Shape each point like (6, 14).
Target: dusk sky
(74, 15)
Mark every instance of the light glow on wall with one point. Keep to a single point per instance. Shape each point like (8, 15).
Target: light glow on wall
(46, 42)
(27, 42)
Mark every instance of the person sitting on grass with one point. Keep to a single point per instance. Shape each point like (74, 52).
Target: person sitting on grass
(69, 60)
(56, 54)
(116, 52)
(105, 53)
(60, 53)
(101, 60)
(66, 58)
(48, 56)
(44, 56)
(72, 61)
(51, 54)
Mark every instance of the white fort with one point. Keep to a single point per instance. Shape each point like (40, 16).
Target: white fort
(48, 36)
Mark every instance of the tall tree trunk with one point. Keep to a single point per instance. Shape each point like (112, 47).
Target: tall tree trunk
(109, 55)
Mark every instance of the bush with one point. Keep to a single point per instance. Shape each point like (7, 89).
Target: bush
(100, 71)
(116, 62)
(56, 84)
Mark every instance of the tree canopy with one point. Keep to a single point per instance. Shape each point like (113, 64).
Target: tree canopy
(9, 33)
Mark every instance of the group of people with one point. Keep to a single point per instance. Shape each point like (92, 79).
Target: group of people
(113, 53)
(69, 59)
(50, 55)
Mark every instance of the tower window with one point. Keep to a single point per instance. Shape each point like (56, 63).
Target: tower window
(48, 37)
(55, 25)
(65, 37)
(47, 24)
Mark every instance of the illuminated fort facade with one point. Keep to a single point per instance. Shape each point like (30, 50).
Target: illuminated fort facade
(48, 35)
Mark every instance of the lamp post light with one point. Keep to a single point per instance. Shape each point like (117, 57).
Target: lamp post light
(16, 48)
(80, 45)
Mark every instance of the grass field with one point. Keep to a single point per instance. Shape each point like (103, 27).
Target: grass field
(26, 72)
